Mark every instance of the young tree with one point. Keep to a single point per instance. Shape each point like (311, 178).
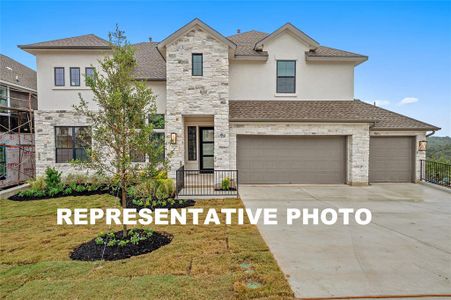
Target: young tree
(120, 126)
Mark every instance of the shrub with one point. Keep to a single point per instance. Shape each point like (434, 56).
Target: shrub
(225, 184)
(38, 183)
(52, 178)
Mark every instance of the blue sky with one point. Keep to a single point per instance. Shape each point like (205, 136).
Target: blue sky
(408, 43)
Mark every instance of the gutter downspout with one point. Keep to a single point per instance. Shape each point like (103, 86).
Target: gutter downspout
(430, 134)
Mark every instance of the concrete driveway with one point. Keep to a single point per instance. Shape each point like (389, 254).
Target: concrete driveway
(405, 250)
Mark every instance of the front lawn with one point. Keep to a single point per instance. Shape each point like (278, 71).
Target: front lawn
(201, 262)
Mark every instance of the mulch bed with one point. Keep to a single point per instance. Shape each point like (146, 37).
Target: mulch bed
(16, 197)
(90, 251)
(185, 203)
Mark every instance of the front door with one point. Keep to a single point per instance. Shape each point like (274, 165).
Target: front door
(207, 145)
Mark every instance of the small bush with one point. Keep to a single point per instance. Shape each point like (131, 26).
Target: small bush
(38, 183)
(225, 184)
(52, 178)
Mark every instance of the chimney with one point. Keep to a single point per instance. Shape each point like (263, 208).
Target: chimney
(150, 39)
(238, 30)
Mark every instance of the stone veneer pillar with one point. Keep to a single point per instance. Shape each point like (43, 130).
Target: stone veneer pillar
(188, 95)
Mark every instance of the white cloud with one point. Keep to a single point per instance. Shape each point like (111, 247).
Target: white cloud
(408, 100)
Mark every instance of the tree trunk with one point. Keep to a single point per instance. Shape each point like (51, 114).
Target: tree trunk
(124, 205)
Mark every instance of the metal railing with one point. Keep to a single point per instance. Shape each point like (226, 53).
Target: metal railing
(436, 172)
(206, 183)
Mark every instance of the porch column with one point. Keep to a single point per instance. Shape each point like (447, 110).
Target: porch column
(222, 142)
(174, 152)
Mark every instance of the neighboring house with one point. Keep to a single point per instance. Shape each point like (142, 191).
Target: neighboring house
(18, 99)
(277, 107)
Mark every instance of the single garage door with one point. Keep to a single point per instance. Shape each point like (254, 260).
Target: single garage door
(391, 159)
(291, 159)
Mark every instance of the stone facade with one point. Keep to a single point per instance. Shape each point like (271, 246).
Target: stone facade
(357, 141)
(188, 95)
(45, 122)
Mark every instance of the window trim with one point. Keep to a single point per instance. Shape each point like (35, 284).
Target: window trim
(73, 142)
(70, 76)
(54, 76)
(86, 72)
(201, 64)
(195, 143)
(277, 76)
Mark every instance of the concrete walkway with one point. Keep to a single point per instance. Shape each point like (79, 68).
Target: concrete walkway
(405, 250)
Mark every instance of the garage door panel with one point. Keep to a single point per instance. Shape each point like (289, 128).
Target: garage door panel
(291, 159)
(391, 159)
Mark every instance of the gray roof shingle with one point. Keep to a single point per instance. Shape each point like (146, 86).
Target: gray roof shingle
(150, 63)
(354, 111)
(87, 41)
(16, 73)
(246, 42)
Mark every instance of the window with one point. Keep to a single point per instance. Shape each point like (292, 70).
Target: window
(74, 76)
(192, 143)
(3, 96)
(2, 162)
(158, 139)
(137, 156)
(198, 61)
(4, 100)
(59, 76)
(89, 73)
(157, 120)
(286, 76)
(71, 143)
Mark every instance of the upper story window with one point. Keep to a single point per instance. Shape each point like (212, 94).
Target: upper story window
(59, 76)
(198, 64)
(74, 76)
(89, 72)
(286, 76)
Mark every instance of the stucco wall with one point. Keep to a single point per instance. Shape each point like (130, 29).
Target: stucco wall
(52, 97)
(357, 141)
(206, 95)
(314, 80)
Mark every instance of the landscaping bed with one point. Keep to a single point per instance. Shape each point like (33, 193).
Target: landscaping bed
(169, 203)
(113, 246)
(201, 261)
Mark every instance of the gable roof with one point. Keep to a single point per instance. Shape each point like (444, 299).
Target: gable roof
(150, 65)
(245, 43)
(290, 28)
(87, 41)
(17, 74)
(188, 27)
(341, 111)
(150, 55)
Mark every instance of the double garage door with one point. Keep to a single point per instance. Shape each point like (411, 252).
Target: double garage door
(291, 159)
(318, 159)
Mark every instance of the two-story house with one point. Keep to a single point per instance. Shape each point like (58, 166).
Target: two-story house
(18, 99)
(278, 107)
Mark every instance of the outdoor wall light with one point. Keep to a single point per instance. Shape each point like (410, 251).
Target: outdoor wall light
(422, 145)
(173, 138)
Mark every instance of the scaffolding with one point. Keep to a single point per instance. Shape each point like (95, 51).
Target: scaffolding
(17, 144)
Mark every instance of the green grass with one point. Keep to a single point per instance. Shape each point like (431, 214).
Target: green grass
(202, 262)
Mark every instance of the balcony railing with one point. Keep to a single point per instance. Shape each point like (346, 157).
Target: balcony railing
(435, 172)
(204, 183)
